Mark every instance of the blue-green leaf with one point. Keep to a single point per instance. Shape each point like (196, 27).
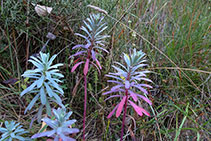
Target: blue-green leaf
(31, 87)
(58, 74)
(31, 104)
(43, 96)
(48, 108)
(127, 59)
(55, 66)
(3, 130)
(51, 60)
(40, 81)
(104, 28)
(35, 59)
(49, 90)
(87, 32)
(39, 66)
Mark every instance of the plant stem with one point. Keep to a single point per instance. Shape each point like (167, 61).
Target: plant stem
(124, 115)
(85, 99)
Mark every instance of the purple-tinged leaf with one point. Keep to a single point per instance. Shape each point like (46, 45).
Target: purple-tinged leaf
(93, 55)
(50, 122)
(98, 63)
(77, 46)
(137, 77)
(132, 84)
(138, 109)
(87, 45)
(66, 138)
(120, 107)
(100, 43)
(43, 134)
(141, 89)
(113, 81)
(114, 77)
(108, 92)
(68, 123)
(117, 74)
(112, 112)
(81, 36)
(112, 91)
(145, 99)
(127, 84)
(101, 49)
(145, 85)
(76, 54)
(76, 65)
(10, 81)
(86, 67)
(112, 97)
(117, 87)
(133, 95)
(71, 130)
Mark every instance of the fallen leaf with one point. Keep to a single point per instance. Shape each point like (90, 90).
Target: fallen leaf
(43, 125)
(10, 81)
(42, 10)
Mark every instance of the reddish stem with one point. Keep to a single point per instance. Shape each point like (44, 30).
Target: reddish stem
(85, 92)
(124, 115)
(85, 99)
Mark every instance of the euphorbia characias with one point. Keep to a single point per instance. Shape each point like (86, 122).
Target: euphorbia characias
(45, 86)
(60, 126)
(95, 41)
(127, 82)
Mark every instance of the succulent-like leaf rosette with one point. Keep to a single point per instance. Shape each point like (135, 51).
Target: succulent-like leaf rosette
(12, 131)
(60, 126)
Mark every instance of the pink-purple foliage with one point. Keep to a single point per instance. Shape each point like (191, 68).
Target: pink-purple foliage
(95, 42)
(128, 80)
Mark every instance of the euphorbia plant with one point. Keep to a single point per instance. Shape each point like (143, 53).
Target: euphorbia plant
(60, 126)
(95, 42)
(12, 131)
(45, 79)
(127, 81)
